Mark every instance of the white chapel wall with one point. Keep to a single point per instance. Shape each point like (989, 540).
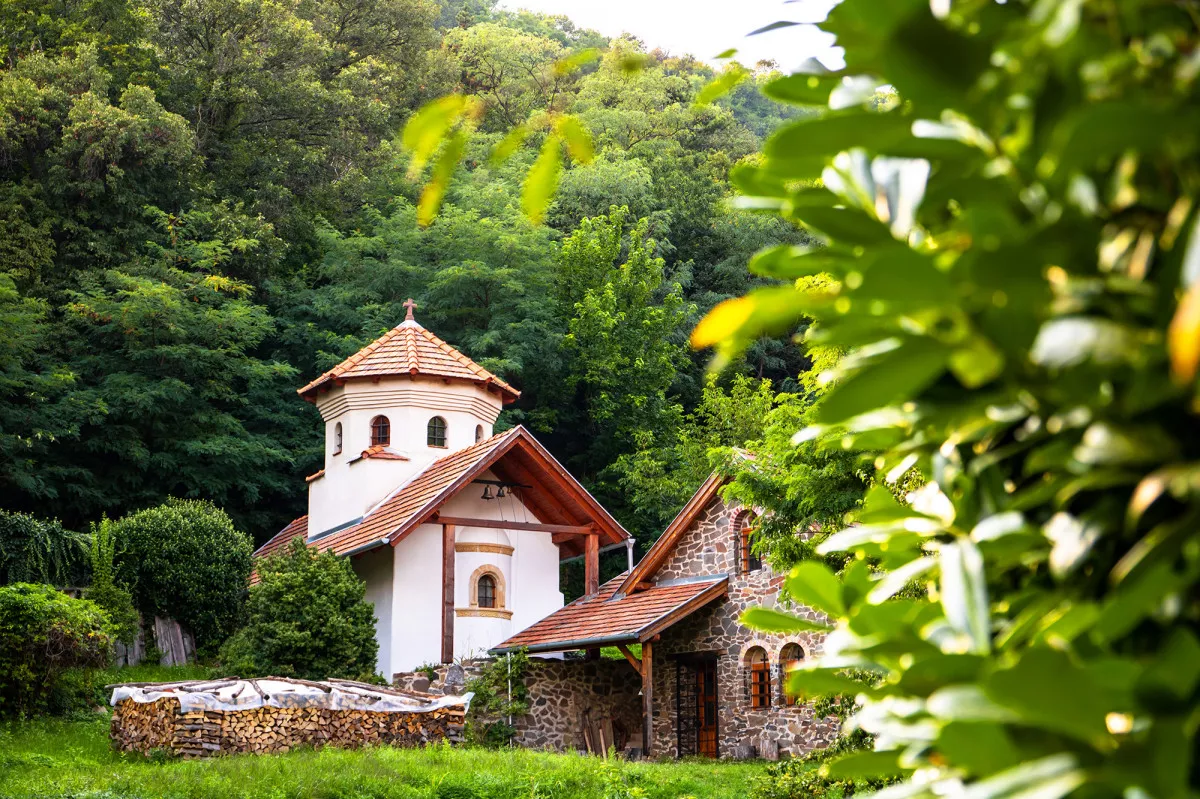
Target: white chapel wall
(375, 569)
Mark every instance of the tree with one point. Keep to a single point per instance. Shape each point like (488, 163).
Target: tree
(1014, 285)
(186, 561)
(306, 617)
(36, 550)
(115, 600)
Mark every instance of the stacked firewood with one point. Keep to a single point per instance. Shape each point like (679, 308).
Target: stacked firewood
(163, 725)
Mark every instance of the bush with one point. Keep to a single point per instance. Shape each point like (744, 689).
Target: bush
(186, 561)
(42, 633)
(307, 618)
(36, 550)
(495, 702)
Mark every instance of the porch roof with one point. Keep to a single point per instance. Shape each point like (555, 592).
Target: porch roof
(608, 619)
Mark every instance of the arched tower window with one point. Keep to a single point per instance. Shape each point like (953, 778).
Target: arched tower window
(337, 439)
(381, 431)
(748, 560)
(487, 588)
(436, 432)
(789, 657)
(758, 677)
(487, 591)
(478, 433)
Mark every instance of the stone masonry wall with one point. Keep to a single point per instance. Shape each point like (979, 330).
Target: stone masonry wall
(560, 692)
(712, 546)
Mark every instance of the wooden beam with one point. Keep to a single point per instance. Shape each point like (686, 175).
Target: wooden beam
(647, 699)
(591, 568)
(447, 593)
(633, 661)
(537, 527)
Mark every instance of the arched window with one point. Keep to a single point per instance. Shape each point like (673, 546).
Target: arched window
(478, 433)
(789, 657)
(436, 432)
(758, 677)
(486, 591)
(749, 560)
(337, 439)
(381, 431)
(487, 588)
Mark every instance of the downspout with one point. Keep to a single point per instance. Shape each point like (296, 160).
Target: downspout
(629, 553)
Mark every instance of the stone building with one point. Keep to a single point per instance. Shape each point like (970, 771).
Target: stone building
(707, 684)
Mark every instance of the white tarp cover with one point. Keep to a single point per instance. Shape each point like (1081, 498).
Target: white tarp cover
(241, 695)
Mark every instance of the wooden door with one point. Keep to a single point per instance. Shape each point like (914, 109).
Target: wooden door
(706, 708)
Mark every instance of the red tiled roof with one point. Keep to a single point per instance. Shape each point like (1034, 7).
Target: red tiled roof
(380, 452)
(602, 619)
(409, 350)
(387, 520)
(297, 527)
(315, 476)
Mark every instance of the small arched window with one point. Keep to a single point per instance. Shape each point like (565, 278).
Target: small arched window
(478, 433)
(751, 561)
(436, 432)
(758, 677)
(789, 658)
(381, 431)
(486, 591)
(337, 439)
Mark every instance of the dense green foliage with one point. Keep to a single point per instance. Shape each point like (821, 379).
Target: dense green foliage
(1014, 251)
(185, 560)
(35, 550)
(203, 204)
(43, 632)
(500, 696)
(306, 617)
(114, 599)
(58, 759)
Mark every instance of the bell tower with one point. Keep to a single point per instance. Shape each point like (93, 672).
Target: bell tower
(390, 410)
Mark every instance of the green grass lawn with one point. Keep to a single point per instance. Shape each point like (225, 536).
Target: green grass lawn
(54, 758)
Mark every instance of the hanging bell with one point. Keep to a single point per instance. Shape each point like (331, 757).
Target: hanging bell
(500, 493)
(487, 492)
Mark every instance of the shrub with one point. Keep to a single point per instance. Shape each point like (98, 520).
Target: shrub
(186, 561)
(115, 600)
(500, 694)
(307, 617)
(42, 633)
(36, 550)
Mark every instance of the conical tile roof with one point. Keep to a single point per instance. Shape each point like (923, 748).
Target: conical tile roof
(408, 350)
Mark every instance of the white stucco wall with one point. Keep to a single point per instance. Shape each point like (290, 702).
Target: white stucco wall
(350, 488)
(375, 568)
(530, 577)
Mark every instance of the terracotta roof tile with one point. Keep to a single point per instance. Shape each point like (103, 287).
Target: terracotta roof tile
(409, 349)
(315, 476)
(605, 618)
(297, 528)
(380, 452)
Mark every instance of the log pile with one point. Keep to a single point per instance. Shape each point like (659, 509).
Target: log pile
(176, 720)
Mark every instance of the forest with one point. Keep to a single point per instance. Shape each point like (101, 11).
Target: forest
(205, 203)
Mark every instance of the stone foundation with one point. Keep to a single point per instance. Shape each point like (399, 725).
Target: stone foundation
(561, 694)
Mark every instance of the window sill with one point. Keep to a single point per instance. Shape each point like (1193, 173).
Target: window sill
(484, 613)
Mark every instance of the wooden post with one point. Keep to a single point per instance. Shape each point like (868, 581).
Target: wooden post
(447, 593)
(591, 560)
(647, 698)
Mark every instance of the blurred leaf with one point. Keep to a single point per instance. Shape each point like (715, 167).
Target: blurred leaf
(773, 621)
(429, 126)
(542, 180)
(764, 311)
(800, 89)
(892, 378)
(980, 748)
(774, 26)
(576, 60)
(1183, 336)
(578, 138)
(978, 363)
(511, 142)
(812, 583)
(725, 82)
(897, 579)
(443, 170)
(963, 589)
(1070, 341)
(826, 136)
(1051, 692)
(808, 683)
(860, 765)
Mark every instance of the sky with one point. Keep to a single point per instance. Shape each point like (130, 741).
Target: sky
(705, 28)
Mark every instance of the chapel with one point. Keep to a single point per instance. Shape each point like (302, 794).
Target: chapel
(457, 530)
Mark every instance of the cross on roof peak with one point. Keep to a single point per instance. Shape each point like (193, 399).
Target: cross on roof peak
(410, 305)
